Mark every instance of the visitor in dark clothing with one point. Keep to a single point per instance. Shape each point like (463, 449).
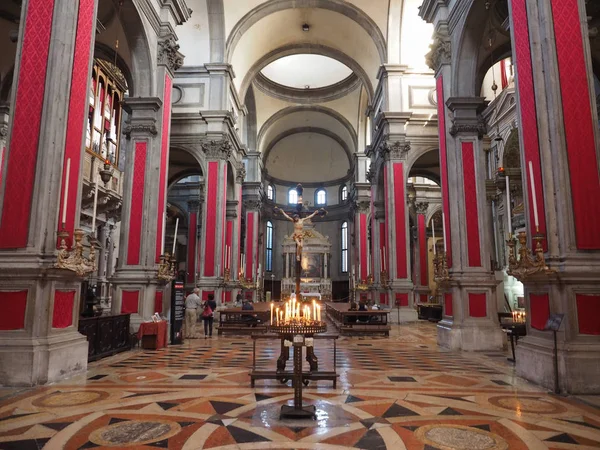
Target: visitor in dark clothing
(209, 318)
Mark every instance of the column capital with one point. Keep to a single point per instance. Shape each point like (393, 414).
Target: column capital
(441, 50)
(143, 111)
(240, 175)
(467, 116)
(168, 54)
(220, 149)
(394, 150)
(232, 209)
(193, 205)
(421, 207)
(253, 204)
(363, 206)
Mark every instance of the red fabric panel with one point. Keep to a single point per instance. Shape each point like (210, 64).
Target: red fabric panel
(78, 106)
(158, 302)
(236, 256)
(444, 165)
(164, 157)
(3, 151)
(23, 148)
(362, 220)
(471, 210)
(527, 108)
(422, 249)
(223, 222)
(212, 191)
(579, 126)
(382, 244)
(249, 244)
(248, 295)
(477, 305)
(539, 306)
(137, 204)
(227, 296)
(228, 241)
(192, 233)
(158, 329)
(383, 298)
(387, 219)
(13, 305)
(399, 210)
(423, 298)
(588, 314)
(62, 316)
(503, 76)
(130, 302)
(205, 295)
(401, 299)
(448, 308)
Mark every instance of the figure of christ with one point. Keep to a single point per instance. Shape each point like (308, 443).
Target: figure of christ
(298, 222)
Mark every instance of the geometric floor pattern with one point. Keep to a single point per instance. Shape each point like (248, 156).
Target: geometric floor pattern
(401, 392)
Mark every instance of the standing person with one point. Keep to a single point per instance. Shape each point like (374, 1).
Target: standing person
(192, 303)
(208, 315)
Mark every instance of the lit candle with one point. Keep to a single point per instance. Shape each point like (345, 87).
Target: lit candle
(66, 196)
(444, 230)
(314, 308)
(534, 199)
(95, 206)
(271, 313)
(277, 315)
(175, 237)
(318, 313)
(508, 212)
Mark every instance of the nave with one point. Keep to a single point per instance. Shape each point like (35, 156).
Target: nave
(393, 393)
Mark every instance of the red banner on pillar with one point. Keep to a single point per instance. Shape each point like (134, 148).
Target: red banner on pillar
(471, 209)
(400, 216)
(211, 218)
(137, 204)
(27, 118)
(62, 315)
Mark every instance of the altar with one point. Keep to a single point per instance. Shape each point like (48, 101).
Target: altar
(315, 277)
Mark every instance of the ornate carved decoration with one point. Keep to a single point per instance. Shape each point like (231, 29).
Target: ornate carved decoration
(253, 205)
(394, 149)
(217, 149)
(114, 72)
(441, 52)
(73, 259)
(193, 206)
(363, 206)
(3, 131)
(139, 128)
(480, 128)
(511, 157)
(241, 173)
(370, 175)
(421, 207)
(168, 54)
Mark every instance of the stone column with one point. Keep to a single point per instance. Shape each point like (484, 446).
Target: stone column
(135, 279)
(192, 246)
(379, 235)
(397, 221)
(557, 114)
(422, 252)
(252, 206)
(474, 325)
(231, 236)
(39, 342)
(213, 221)
(361, 244)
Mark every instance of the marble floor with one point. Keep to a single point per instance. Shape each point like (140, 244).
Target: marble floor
(400, 392)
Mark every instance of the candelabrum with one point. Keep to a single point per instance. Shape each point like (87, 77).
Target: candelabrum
(226, 275)
(246, 283)
(384, 280)
(365, 285)
(297, 317)
(166, 268)
(440, 267)
(526, 265)
(73, 259)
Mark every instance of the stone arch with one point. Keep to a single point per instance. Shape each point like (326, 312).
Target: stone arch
(309, 108)
(339, 6)
(415, 154)
(196, 154)
(511, 154)
(293, 49)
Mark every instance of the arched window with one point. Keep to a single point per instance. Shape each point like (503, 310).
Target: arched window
(269, 246)
(321, 197)
(344, 193)
(107, 90)
(293, 196)
(344, 262)
(270, 192)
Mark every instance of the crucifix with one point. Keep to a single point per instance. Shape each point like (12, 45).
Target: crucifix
(299, 232)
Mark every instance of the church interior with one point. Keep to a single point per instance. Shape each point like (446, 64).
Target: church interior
(393, 204)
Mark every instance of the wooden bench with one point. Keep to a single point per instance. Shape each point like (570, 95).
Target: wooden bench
(285, 375)
(372, 322)
(234, 320)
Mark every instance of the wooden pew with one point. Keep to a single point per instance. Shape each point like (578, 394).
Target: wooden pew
(237, 321)
(372, 322)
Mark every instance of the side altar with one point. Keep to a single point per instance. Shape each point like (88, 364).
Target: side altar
(315, 265)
